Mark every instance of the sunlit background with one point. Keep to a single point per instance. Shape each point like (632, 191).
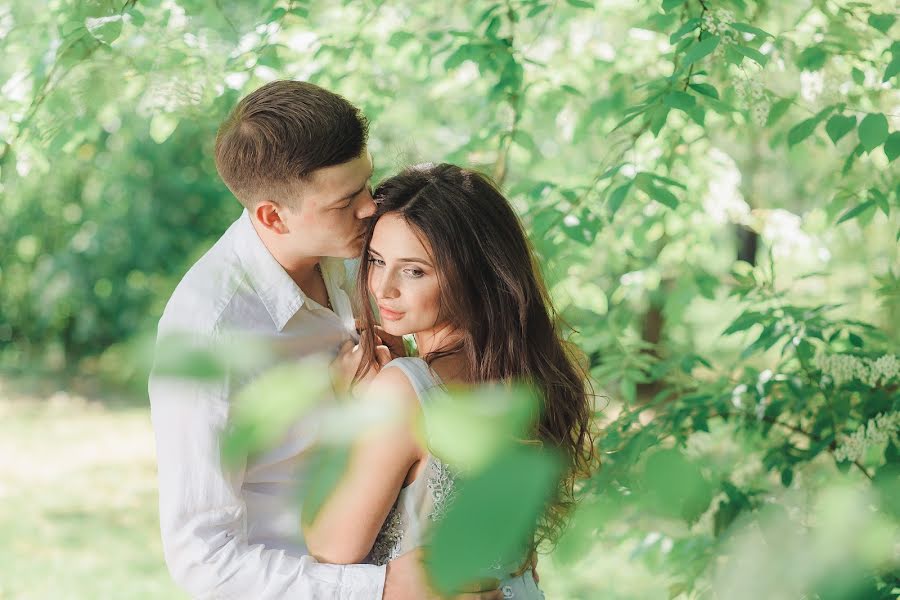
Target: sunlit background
(711, 186)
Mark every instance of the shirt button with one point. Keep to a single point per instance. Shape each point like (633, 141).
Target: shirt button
(507, 591)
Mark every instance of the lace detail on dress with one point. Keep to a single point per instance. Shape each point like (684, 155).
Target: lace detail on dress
(441, 482)
(387, 544)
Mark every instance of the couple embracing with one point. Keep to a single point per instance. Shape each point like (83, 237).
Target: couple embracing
(441, 256)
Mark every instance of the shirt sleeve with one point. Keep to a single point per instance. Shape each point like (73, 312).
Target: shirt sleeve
(203, 517)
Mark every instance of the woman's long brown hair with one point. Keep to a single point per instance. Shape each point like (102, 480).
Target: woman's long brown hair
(493, 295)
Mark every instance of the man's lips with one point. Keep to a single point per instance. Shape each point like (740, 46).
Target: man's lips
(390, 315)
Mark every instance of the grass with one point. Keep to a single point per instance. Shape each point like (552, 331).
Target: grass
(78, 506)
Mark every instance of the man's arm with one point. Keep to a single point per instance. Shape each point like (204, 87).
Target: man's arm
(203, 518)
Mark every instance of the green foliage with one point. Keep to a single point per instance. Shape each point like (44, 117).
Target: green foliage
(652, 149)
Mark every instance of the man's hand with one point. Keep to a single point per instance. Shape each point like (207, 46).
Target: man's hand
(405, 580)
(346, 363)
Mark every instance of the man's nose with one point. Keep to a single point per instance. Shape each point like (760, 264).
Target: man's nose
(367, 208)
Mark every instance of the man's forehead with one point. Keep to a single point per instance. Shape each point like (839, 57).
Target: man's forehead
(347, 173)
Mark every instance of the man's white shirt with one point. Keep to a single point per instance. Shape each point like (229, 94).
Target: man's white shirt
(234, 531)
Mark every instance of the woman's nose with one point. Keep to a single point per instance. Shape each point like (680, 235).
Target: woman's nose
(385, 287)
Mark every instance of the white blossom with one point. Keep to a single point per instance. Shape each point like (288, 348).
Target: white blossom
(876, 432)
(842, 368)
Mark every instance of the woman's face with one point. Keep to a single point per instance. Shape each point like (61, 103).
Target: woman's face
(402, 278)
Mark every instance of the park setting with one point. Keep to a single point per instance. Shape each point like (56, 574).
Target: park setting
(712, 194)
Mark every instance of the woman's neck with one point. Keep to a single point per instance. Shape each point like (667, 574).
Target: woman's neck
(437, 339)
(452, 367)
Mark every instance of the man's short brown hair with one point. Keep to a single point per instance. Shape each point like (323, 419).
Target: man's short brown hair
(280, 134)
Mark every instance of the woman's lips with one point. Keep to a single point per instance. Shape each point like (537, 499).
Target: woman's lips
(390, 315)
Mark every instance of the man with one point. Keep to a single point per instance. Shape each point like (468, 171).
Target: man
(295, 156)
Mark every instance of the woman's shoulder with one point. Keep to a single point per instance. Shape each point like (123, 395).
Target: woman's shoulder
(394, 385)
(415, 370)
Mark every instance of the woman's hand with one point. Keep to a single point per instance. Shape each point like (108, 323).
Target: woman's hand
(394, 343)
(346, 363)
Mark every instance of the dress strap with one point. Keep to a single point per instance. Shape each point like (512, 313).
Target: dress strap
(420, 375)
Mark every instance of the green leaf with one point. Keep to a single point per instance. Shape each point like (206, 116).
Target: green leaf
(859, 77)
(732, 56)
(873, 131)
(767, 338)
(617, 198)
(325, 468)
(745, 28)
(812, 59)
(492, 28)
(470, 429)
(162, 125)
(892, 146)
(705, 89)
(894, 67)
(787, 477)
(689, 26)
(104, 29)
(838, 126)
(851, 158)
(536, 10)
(399, 39)
(673, 485)
(802, 130)
(882, 22)
(856, 211)
(459, 56)
(479, 529)
(658, 116)
(778, 110)
(524, 139)
(668, 5)
(745, 321)
(680, 100)
(700, 49)
(581, 3)
(662, 179)
(137, 17)
(752, 54)
(658, 193)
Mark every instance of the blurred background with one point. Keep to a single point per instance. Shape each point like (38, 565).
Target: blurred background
(711, 187)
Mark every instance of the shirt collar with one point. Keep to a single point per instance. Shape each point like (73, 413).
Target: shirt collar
(279, 293)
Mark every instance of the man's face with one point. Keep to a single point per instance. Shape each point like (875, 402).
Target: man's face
(335, 202)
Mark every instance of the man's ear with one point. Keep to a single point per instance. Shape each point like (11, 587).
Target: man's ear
(268, 214)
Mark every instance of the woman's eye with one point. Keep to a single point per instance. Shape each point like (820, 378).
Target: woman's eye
(376, 261)
(414, 273)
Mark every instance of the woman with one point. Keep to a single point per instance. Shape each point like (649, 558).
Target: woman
(446, 259)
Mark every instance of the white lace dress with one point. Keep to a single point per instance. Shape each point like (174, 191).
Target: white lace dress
(426, 499)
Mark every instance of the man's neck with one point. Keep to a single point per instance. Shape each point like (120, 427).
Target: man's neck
(300, 268)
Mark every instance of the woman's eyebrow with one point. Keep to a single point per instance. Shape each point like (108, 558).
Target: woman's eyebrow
(416, 260)
(411, 259)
